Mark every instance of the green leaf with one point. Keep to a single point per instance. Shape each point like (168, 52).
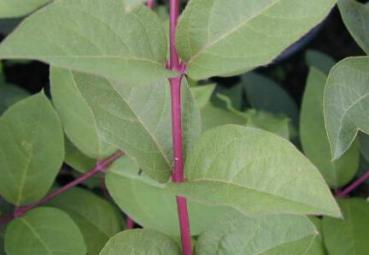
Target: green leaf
(131, 4)
(31, 150)
(255, 172)
(317, 247)
(10, 94)
(97, 219)
(348, 236)
(278, 125)
(364, 146)
(266, 95)
(79, 120)
(93, 36)
(16, 8)
(319, 60)
(229, 98)
(223, 37)
(76, 159)
(213, 116)
(151, 204)
(44, 231)
(346, 102)
(314, 138)
(355, 15)
(135, 119)
(268, 235)
(202, 94)
(141, 242)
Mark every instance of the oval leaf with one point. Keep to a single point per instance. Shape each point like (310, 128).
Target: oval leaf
(31, 150)
(269, 235)
(255, 172)
(44, 231)
(355, 15)
(227, 37)
(93, 36)
(140, 242)
(97, 219)
(135, 119)
(16, 8)
(151, 204)
(314, 138)
(319, 60)
(346, 99)
(351, 234)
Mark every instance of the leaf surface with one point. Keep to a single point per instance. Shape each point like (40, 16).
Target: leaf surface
(228, 37)
(355, 15)
(268, 235)
(44, 231)
(348, 236)
(319, 60)
(16, 8)
(93, 36)
(151, 204)
(255, 172)
(141, 242)
(346, 100)
(314, 138)
(97, 219)
(31, 149)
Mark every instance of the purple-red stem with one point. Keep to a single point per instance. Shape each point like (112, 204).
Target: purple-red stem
(178, 171)
(101, 166)
(130, 223)
(150, 3)
(352, 186)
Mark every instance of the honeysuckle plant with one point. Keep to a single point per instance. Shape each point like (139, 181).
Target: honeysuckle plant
(184, 167)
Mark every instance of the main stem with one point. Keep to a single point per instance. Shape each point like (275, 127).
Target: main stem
(178, 171)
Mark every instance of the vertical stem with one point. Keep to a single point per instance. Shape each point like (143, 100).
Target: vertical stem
(178, 171)
(130, 223)
(150, 4)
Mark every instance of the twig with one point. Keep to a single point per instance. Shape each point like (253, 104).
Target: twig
(101, 166)
(352, 186)
(150, 4)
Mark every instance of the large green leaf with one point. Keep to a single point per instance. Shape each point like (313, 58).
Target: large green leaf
(317, 247)
(136, 119)
(227, 37)
(31, 149)
(151, 204)
(268, 235)
(255, 172)
(44, 231)
(266, 95)
(319, 60)
(16, 8)
(346, 100)
(79, 120)
(355, 15)
(314, 138)
(141, 242)
(97, 219)
(93, 36)
(202, 94)
(351, 235)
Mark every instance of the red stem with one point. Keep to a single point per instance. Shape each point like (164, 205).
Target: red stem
(130, 223)
(352, 186)
(178, 169)
(101, 166)
(150, 4)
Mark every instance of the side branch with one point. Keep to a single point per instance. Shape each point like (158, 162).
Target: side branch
(100, 167)
(353, 186)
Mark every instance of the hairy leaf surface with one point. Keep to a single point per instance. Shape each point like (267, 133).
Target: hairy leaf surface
(141, 242)
(228, 37)
(255, 172)
(346, 100)
(93, 36)
(16, 8)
